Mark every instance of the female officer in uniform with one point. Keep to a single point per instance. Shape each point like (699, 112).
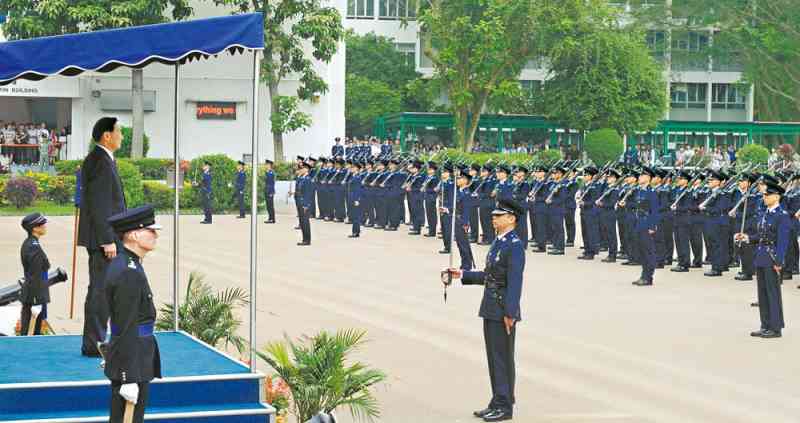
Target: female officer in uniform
(35, 290)
(132, 357)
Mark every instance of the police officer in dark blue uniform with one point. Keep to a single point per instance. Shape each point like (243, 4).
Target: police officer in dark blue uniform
(589, 214)
(463, 208)
(556, 209)
(682, 220)
(446, 192)
(206, 193)
(269, 191)
(305, 193)
(474, 215)
(35, 264)
(132, 355)
(337, 151)
(646, 209)
(500, 308)
(486, 203)
(716, 224)
(771, 240)
(520, 191)
(699, 194)
(355, 193)
(416, 200)
(665, 193)
(571, 206)
(746, 203)
(241, 180)
(429, 190)
(608, 216)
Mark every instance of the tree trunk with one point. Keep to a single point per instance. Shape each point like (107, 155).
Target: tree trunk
(460, 123)
(277, 136)
(137, 113)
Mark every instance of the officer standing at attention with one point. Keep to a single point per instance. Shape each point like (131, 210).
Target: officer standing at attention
(474, 216)
(269, 191)
(590, 225)
(429, 191)
(446, 191)
(771, 240)
(206, 193)
(571, 206)
(463, 210)
(556, 202)
(519, 193)
(608, 216)
(716, 223)
(416, 197)
(241, 179)
(500, 308)
(35, 290)
(646, 210)
(680, 209)
(337, 151)
(304, 193)
(486, 203)
(355, 192)
(132, 358)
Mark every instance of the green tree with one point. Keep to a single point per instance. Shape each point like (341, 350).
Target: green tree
(752, 154)
(28, 19)
(602, 76)
(477, 45)
(321, 380)
(366, 99)
(289, 27)
(376, 58)
(603, 146)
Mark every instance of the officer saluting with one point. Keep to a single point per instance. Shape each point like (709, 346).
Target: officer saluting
(500, 307)
(771, 240)
(132, 356)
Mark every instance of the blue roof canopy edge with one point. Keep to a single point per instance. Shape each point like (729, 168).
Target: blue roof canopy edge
(135, 47)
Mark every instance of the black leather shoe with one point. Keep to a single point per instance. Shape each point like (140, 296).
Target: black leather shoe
(753, 304)
(498, 416)
(353, 236)
(696, 266)
(603, 249)
(570, 244)
(556, 252)
(785, 276)
(679, 269)
(482, 413)
(444, 251)
(429, 235)
(539, 250)
(391, 228)
(733, 264)
(378, 227)
(630, 263)
(414, 233)
(706, 262)
(743, 277)
(609, 259)
(303, 243)
(296, 228)
(712, 273)
(757, 334)
(269, 221)
(770, 334)
(240, 217)
(642, 282)
(586, 257)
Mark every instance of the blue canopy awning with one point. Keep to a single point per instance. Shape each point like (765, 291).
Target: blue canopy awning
(104, 51)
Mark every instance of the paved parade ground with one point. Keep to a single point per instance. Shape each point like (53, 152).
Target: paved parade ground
(591, 347)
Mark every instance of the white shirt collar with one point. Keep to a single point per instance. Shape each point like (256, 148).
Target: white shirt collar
(110, 154)
(772, 209)
(503, 235)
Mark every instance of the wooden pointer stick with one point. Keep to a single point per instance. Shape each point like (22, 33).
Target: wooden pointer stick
(127, 416)
(74, 257)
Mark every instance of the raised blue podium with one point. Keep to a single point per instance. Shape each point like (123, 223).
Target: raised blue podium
(45, 379)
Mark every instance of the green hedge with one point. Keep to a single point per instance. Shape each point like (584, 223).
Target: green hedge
(603, 146)
(161, 196)
(752, 154)
(455, 155)
(155, 169)
(131, 183)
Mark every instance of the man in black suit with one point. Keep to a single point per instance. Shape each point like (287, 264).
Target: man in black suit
(101, 197)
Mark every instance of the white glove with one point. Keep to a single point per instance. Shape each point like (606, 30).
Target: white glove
(129, 391)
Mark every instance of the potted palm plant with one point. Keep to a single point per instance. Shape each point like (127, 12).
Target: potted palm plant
(319, 377)
(207, 315)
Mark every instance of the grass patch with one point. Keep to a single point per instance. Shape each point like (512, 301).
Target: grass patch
(48, 208)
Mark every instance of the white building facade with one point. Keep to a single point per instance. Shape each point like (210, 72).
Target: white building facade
(76, 103)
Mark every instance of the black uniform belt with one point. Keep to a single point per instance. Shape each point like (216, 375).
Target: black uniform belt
(493, 283)
(145, 329)
(766, 243)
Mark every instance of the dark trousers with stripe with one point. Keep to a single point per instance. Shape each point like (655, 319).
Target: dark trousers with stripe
(431, 214)
(569, 223)
(682, 230)
(770, 302)
(500, 358)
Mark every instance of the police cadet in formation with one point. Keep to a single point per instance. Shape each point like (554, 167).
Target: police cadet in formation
(791, 203)
(486, 203)
(666, 240)
(608, 215)
(416, 202)
(207, 194)
(463, 210)
(430, 191)
(355, 193)
(571, 206)
(446, 190)
(381, 209)
(312, 175)
(519, 193)
(297, 169)
(368, 206)
(556, 203)
(394, 195)
(35, 288)
(474, 214)
(770, 238)
(589, 214)
(644, 201)
(747, 200)
(319, 178)
(303, 194)
(680, 207)
(626, 219)
(269, 191)
(241, 180)
(132, 356)
(500, 307)
(696, 239)
(716, 223)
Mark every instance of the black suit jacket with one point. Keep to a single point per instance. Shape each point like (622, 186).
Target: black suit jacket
(101, 197)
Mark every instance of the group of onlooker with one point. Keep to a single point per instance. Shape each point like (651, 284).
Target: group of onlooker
(30, 143)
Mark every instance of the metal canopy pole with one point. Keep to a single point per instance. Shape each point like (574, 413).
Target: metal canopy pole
(178, 186)
(254, 215)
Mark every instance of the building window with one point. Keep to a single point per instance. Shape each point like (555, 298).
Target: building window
(397, 9)
(687, 96)
(409, 51)
(656, 43)
(728, 96)
(361, 9)
(689, 51)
